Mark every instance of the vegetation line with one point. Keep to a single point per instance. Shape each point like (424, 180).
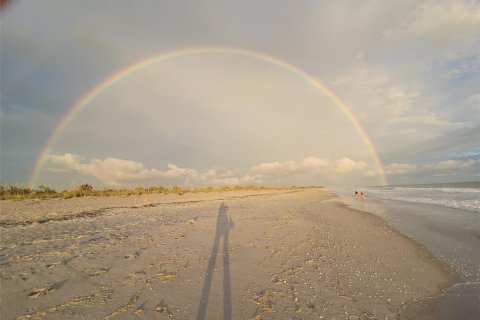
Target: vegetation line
(10, 192)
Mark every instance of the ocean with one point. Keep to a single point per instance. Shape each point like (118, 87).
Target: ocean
(462, 195)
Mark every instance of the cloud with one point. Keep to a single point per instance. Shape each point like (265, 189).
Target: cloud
(275, 168)
(112, 171)
(115, 171)
(426, 119)
(313, 163)
(438, 40)
(346, 165)
(404, 168)
(381, 100)
(313, 169)
(399, 168)
(457, 164)
(286, 168)
(401, 112)
(445, 28)
(399, 90)
(219, 176)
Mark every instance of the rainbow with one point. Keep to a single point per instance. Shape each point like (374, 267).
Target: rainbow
(96, 91)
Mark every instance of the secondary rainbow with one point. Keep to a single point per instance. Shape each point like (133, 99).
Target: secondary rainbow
(92, 94)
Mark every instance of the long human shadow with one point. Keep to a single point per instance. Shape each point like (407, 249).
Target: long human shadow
(224, 224)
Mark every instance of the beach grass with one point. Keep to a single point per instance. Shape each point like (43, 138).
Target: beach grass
(12, 192)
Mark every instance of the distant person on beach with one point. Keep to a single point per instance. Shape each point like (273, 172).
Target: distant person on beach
(360, 194)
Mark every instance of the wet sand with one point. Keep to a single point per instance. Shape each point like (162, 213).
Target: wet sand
(293, 254)
(453, 237)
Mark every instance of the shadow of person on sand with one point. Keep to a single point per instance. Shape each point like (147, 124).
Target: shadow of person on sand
(224, 224)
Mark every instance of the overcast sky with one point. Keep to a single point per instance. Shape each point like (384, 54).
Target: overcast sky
(408, 71)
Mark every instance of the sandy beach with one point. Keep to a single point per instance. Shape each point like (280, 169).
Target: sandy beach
(285, 254)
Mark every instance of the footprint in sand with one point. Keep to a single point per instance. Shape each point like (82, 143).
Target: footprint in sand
(67, 261)
(132, 256)
(40, 292)
(162, 307)
(93, 272)
(53, 265)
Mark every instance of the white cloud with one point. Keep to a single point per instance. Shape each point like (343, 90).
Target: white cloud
(399, 91)
(275, 168)
(346, 165)
(397, 110)
(114, 171)
(219, 176)
(313, 163)
(405, 168)
(399, 168)
(457, 164)
(444, 28)
(448, 170)
(442, 20)
(286, 168)
(175, 172)
(252, 179)
(380, 100)
(426, 119)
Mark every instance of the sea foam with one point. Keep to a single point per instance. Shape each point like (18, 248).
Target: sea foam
(466, 198)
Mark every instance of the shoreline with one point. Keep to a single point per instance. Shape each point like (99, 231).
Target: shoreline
(459, 299)
(282, 254)
(447, 269)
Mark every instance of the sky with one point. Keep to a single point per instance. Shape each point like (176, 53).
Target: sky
(196, 93)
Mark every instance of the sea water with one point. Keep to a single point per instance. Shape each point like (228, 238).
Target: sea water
(463, 195)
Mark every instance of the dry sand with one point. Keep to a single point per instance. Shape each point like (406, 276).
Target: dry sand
(238, 255)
